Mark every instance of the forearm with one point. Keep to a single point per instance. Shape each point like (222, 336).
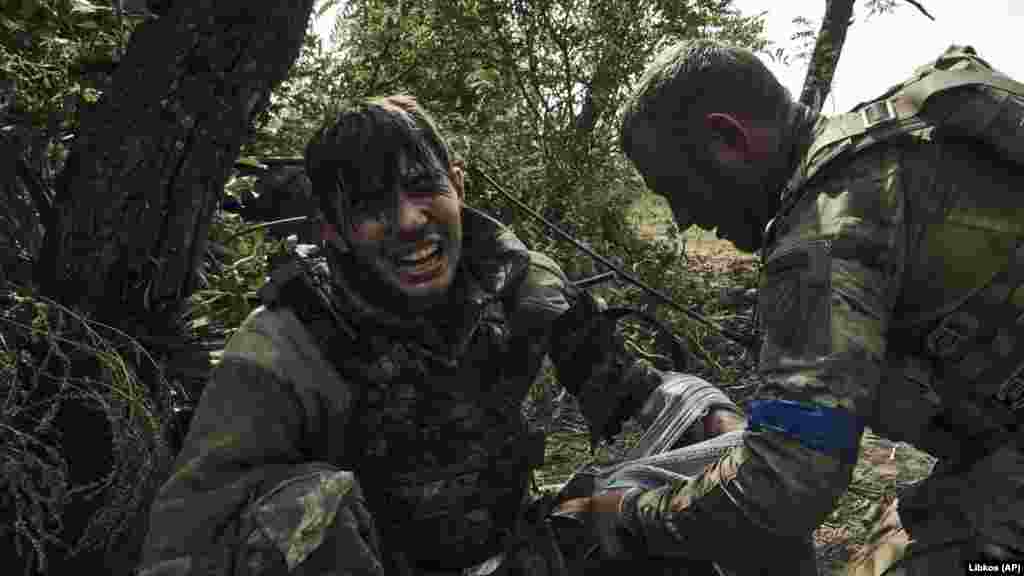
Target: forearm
(719, 421)
(795, 460)
(768, 492)
(682, 409)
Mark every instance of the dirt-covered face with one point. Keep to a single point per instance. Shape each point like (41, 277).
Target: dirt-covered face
(410, 237)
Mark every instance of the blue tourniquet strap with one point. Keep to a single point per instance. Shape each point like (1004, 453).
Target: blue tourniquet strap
(829, 430)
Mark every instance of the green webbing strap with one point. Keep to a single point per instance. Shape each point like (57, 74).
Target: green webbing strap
(908, 102)
(942, 80)
(898, 114)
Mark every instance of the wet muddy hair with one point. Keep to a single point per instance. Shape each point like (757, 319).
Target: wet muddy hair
(686, 82)
(355, 151)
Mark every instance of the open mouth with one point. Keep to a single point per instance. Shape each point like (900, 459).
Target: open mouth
(422, 263)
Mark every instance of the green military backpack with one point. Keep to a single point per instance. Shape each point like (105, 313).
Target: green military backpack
(958, 93)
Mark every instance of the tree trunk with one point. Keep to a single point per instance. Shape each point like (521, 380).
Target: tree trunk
(135, 200)
(827, 48)
(134, 203)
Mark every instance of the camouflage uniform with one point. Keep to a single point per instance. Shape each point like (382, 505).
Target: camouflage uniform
(427, 419)
(878, 248)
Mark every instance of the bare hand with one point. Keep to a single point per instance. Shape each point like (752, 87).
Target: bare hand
(605, 503)
(601, 525)
(720, 420)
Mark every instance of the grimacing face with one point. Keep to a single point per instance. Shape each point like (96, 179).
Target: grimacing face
(417, 255)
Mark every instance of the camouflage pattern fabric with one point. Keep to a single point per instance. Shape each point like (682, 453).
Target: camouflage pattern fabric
(427, 419)
(878, 246)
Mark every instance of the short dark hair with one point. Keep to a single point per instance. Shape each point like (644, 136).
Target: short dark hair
(360, 142)
(684, 83)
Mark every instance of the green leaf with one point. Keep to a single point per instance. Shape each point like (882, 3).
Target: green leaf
(85, 7)
(249, 162)
(29, 8)
(91, 95)
(325, 6)
(11, 24)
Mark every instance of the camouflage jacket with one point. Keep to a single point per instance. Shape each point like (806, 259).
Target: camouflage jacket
(427, 417)
(879, 248)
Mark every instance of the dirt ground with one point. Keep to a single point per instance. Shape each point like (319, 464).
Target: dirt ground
(884, 467)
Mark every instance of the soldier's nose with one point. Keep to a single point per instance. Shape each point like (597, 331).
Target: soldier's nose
(411, 217)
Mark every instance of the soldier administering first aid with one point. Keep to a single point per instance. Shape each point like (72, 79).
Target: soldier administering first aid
(891, 298)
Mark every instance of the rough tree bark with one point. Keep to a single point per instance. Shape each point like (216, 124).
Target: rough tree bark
(827, 48)
(134, 204)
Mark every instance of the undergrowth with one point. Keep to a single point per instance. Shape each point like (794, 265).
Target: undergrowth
(86, 411)
(68, 381)
(237, 268)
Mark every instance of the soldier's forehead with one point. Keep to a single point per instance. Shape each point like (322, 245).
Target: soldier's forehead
(408, 166)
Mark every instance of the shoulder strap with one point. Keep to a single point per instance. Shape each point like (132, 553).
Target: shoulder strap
(906, 104)
(899, 112)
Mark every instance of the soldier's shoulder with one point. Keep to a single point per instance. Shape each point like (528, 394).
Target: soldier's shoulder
(870, 170)
(269, 334)
(277, 322)
(274, 339)
(543, 264)
(833, 153)
(543, 277)
(543, 287)
(854, 195)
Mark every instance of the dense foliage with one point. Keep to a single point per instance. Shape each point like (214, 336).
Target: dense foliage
(56, 59)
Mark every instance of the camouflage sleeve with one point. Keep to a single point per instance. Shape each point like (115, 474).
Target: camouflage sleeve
(247, 495)
(598, 370)
(543, 294)
(830, 286)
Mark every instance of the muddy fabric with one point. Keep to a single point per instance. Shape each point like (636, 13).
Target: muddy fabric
(409, 455)
(878, 247)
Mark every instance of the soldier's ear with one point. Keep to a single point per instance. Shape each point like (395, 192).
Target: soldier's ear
(457, 175)
(730, 142)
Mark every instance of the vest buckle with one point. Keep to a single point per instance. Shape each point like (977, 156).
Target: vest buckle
(878, 113)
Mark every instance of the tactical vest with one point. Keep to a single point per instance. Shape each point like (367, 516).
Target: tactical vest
(439, 445)
(976, 349)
